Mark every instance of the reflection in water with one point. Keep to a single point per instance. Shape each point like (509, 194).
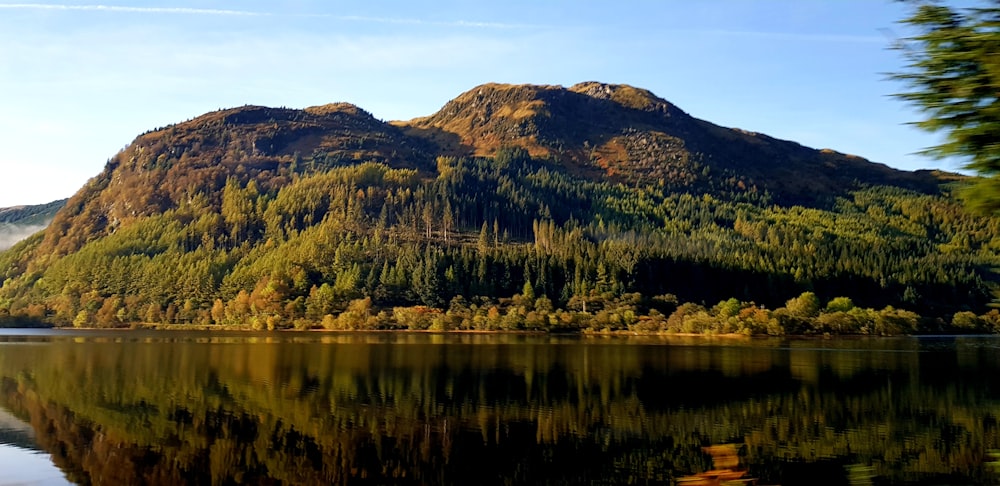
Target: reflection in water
(15, 432)
(307, 408)
(726, 471)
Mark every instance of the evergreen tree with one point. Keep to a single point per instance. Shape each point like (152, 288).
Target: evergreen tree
(954, 78)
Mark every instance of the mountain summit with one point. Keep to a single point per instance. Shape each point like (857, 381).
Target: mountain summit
(630, 134)
(548, 121)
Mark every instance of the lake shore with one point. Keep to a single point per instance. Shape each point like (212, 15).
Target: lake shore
(603, 334)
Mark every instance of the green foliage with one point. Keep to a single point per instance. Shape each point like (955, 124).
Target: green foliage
(954, 77)
(840, 304)
(968, 321)
(369, 233)
(804, 306)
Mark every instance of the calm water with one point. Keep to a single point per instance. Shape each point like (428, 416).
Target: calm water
(317, 408)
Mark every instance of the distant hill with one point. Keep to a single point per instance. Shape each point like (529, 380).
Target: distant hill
(583, 195)
(19, 222)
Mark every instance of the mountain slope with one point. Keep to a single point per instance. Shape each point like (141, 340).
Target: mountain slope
(630, 134)
(164, 169)
(509, 204)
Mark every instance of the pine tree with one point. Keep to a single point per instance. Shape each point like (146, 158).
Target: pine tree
(954, 78)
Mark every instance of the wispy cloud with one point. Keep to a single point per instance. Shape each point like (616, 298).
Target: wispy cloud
(125, 9)
(10, 234)
(249, 13)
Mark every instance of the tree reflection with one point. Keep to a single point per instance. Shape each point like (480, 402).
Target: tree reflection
(423, 412)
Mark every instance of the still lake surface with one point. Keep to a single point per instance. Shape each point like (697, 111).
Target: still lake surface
(138, 407)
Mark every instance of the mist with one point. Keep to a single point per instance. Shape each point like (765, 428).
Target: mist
(10, 234)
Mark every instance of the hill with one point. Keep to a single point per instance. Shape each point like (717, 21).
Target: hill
(512, 207)
(627, 134)
(20, 222)
(163, 168)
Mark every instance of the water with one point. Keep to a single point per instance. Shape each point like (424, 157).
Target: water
(134, 407)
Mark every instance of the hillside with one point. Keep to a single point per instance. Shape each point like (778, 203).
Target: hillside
(627, 134)
(164, 168)
(20, 222)
(512, 207)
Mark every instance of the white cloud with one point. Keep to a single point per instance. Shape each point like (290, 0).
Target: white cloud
(248, 13)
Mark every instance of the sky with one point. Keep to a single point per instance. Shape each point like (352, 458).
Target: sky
(80, 80)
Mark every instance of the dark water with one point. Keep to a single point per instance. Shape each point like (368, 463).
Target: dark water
(310, 408)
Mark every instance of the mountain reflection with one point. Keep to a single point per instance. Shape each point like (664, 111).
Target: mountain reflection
(502, 410)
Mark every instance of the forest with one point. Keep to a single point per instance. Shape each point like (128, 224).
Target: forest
(511, 242)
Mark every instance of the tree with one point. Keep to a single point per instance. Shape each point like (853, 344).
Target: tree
(218, 312)
(806, 305)
(357, 315)
(840, 304)
(953, 75)
(483, 243)
(967, 321)
(322, 301)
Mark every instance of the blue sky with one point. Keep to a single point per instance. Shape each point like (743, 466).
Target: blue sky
(80, 80)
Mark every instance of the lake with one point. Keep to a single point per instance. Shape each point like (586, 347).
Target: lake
(164, 407)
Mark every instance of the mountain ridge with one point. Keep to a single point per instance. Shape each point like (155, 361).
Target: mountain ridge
(631, 134)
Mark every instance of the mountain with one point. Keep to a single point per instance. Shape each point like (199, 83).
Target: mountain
(596, 201)
(619, 132)
(19, 222)
(161, 168)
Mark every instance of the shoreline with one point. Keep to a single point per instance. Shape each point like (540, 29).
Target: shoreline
(590, 334)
